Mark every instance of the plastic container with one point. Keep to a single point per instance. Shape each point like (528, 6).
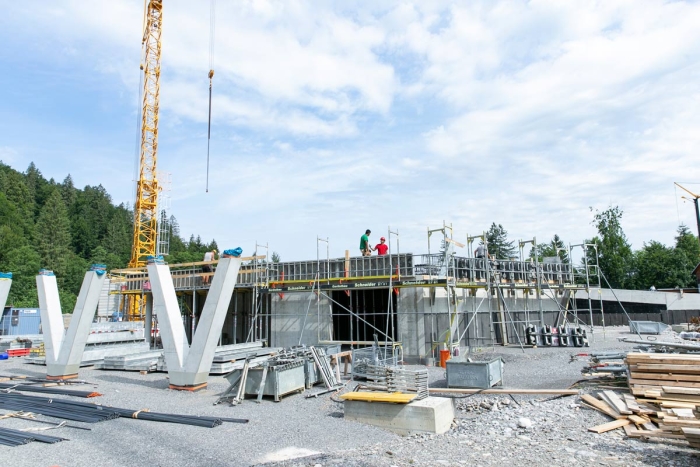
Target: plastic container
(444, 356)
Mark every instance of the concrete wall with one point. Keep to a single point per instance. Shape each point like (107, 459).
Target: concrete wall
(423, 319)
(288, 314)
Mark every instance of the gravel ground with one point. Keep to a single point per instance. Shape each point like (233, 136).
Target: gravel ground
(312, 432)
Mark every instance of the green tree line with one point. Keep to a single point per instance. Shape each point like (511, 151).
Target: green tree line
(655, 264)
(46, 224)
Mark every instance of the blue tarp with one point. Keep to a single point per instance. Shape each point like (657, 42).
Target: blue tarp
(99, 268)
(155, 259)
(236, 252)
(5, 275)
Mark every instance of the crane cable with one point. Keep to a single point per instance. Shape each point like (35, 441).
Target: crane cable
(212, 33)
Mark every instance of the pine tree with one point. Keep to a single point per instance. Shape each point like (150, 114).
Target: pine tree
(555, 248)
(53, 240)
(68, 192)
(498, 244)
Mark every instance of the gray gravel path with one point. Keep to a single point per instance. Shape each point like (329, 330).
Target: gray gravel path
(314, 432)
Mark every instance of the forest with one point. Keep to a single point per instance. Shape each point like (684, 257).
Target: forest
(52, 225)
(56, 226)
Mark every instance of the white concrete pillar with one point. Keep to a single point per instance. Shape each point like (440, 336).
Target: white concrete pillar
(165, 306)
(79, 329)
(51, 317)
(5, 285)
(64, 350)
(211, 321)
(189, 366)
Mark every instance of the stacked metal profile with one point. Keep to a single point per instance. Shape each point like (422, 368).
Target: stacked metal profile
(395, 379)
(319, 356)
(375, 355)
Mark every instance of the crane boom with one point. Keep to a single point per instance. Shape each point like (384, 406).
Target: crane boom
(147, 188)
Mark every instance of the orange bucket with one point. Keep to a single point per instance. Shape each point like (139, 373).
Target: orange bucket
(444, 356)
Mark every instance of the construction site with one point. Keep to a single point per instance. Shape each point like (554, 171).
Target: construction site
(445, 356)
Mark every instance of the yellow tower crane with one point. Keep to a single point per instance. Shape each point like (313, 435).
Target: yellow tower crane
(147, 188)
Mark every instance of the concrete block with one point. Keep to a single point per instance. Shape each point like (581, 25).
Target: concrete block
(430, 415)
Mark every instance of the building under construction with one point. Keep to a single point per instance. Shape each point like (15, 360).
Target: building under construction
(416, 303)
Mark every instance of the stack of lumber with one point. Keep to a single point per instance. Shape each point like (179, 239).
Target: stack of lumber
(624, 409)
(667, 390)
(692, 435)
(653, 372)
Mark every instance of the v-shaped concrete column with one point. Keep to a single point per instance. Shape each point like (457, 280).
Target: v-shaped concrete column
(4, 292)
(64, 350)
(189, 366)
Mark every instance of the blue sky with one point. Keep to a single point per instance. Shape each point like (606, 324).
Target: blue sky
(330, 119)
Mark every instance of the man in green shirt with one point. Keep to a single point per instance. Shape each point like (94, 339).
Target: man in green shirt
(365, 247)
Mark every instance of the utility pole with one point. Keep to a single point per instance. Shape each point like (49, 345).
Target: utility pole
(695, 201)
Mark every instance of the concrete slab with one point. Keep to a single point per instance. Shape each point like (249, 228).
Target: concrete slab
(430, 415)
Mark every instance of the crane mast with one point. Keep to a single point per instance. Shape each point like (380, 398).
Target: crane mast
(147, 188)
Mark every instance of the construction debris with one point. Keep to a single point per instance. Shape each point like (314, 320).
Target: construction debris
(667, 390)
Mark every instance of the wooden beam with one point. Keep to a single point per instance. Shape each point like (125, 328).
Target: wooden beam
(560, 392)
(614, 425)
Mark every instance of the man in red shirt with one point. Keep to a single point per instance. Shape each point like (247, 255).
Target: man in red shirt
(381, 247)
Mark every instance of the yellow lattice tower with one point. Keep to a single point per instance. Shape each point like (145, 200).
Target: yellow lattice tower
(147, 189)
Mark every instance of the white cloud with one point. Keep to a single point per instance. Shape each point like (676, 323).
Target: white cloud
(331, 118)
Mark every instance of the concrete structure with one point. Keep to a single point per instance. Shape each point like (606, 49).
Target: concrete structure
(188, 366)
(429, 415)
(5, 285)
(418, 302)
(64, 349)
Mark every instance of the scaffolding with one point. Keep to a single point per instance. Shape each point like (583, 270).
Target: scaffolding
(449, 298)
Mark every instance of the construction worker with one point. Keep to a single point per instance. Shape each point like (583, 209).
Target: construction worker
(381, 248)
(365, 247)
(480, 251)
(207, 268)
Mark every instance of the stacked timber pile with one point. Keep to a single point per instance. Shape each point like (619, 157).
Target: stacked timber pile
(652, 372)
(670, 382)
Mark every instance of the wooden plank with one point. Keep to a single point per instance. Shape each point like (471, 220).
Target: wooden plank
(601, 406)
(683, 390)
(666, 368)
(690, 423)
(558, 392)
(636, 433)
(662, 356)
(631, 403)
(665, 361)
(665, 376)
(695, 432)
(677, 405)
(605, 427)
(615, 401)
(666, 383)
(637, 420)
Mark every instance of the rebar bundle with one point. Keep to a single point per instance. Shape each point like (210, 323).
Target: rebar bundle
(92, 413)
(9, 437)
(48, 390)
